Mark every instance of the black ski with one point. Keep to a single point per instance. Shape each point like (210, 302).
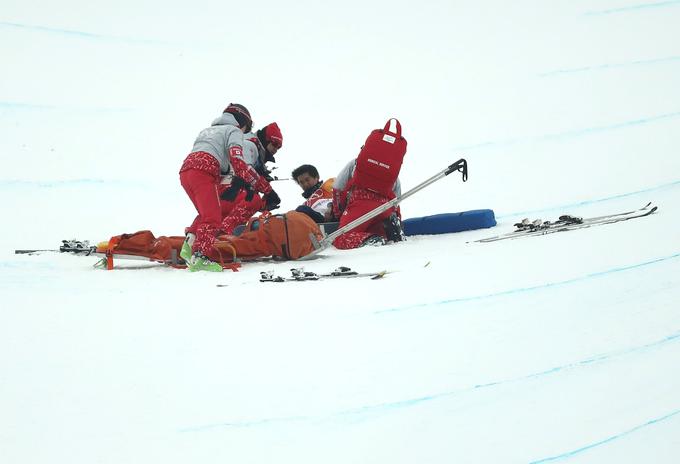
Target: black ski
(300, 275)
(67, 246)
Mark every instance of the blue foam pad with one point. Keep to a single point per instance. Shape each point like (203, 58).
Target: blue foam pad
(449, 222)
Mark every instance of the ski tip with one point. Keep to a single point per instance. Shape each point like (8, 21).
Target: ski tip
(379, 275)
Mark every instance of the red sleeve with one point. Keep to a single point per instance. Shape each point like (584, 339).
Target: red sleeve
(338, 203)
(246, 171)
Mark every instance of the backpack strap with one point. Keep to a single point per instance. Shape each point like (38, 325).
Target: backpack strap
(110, 247)
(225, 246)
(285, 248)
(397, 126)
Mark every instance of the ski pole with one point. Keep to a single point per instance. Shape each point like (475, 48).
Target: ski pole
(320, 245)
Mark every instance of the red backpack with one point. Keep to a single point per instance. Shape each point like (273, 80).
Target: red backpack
(379, 160)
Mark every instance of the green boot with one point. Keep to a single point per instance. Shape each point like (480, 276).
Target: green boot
(199, 262)
(185, 253)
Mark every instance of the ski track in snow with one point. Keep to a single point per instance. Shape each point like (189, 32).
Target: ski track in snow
(572, 133)
(631, 8)
(572, 453)
(82, 34)
(606, 66)
(609, 127)
(384, 407)
(669, 185)
(17, 183)
(26, 106)
(520, 290)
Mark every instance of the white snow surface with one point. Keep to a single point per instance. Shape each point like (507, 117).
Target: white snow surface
(545, 349)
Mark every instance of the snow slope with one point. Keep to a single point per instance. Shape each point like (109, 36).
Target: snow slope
(562, 347)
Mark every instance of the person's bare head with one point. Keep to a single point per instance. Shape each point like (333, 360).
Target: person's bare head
(306, 176)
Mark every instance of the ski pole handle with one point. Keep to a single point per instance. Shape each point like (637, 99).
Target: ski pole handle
(460, 165)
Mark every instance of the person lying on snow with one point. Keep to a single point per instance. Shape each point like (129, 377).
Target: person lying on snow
(238, 199)
(217, 149)
(365, 183)
(318, 194)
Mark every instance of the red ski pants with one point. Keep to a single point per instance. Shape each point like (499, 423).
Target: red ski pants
(239, 211)
(360, 203)
(201, 187)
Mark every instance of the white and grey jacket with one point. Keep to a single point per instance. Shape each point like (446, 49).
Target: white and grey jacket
(217, 139)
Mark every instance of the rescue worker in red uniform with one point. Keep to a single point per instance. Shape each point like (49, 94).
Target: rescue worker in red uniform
(238, 199)
(367, 182)
(217, 149)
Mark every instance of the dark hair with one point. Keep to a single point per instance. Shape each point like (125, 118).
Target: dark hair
(304, 169)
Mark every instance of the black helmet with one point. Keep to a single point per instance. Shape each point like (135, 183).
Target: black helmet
(241, 114)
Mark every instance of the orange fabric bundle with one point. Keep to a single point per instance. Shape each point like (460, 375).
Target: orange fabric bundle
(285, 236)
(144, 243)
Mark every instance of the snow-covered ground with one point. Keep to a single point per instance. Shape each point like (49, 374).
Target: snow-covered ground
(562, 347)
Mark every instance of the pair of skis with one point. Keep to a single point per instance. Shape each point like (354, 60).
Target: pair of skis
(525, 228)
(300, 275)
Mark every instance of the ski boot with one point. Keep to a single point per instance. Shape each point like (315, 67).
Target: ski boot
(198, 262)
(373, 240)
(186, 252)
(393, 229)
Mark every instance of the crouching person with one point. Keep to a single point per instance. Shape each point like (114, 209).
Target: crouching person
(217, 149)
(365, 183)
(239, 200)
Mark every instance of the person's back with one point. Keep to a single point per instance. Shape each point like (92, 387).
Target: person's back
(365, 183)
(222, 135)
(342, 188)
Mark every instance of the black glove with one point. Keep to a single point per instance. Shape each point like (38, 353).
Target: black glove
(230, 193)
(250, 192)
(264, 172)
(271, 200)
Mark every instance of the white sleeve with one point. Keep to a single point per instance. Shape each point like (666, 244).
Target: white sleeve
(250, 152)
(397, 188)
(344, 176)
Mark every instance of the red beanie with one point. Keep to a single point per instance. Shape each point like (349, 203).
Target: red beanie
(272, 134)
